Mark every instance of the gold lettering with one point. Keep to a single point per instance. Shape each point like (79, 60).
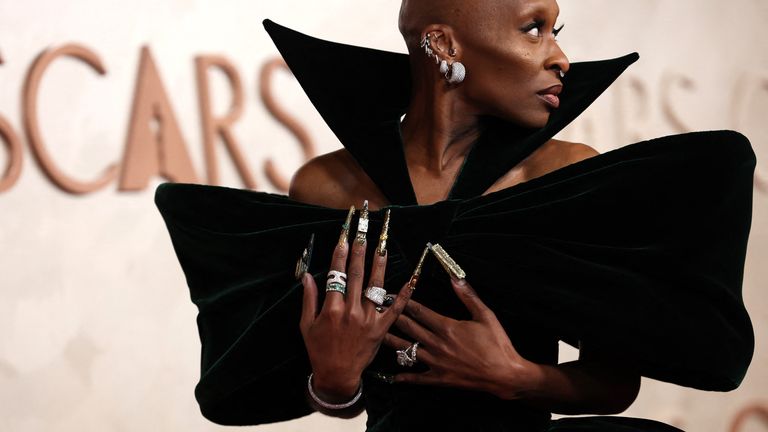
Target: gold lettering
(291, 123)
(221, 126)
(633, 110)
(154, 145)
(668, 81)
(13, 170)
(32, 127)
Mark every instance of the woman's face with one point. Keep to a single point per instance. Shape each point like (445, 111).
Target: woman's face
(513, 65)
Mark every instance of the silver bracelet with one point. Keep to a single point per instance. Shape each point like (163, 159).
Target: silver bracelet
(331, 406)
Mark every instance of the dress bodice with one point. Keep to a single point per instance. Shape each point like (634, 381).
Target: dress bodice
(639, 250)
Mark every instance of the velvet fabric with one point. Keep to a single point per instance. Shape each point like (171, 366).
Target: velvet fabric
(639, 251)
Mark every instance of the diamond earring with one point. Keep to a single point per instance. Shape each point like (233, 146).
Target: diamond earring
(457, 73)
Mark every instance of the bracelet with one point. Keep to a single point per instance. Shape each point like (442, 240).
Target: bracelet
(331, 406)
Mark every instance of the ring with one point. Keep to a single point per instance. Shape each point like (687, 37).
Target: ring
(407, 357)
(380, 309)
(376, 295)
(337, 281)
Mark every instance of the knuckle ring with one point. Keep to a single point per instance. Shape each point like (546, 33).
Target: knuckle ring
(337, 281)
(376, 294)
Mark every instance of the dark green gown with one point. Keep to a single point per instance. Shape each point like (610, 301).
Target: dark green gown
(639, 251)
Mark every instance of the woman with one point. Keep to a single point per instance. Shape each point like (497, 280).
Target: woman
(635, 255)
(516, 70)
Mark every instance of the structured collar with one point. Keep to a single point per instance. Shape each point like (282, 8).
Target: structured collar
(362, 94)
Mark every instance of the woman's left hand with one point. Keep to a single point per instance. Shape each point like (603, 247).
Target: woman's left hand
(475, 354)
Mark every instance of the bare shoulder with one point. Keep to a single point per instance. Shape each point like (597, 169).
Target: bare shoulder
(323, 180)
(551, 156)
(567, 152)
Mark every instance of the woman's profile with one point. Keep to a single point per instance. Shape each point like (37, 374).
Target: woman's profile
(493, 242)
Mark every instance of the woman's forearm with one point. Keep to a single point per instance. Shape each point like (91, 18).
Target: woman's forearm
(579, 387)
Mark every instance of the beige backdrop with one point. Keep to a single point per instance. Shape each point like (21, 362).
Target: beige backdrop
(97, 332)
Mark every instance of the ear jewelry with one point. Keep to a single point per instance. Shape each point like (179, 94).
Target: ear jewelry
(456, 74)
(426, 43)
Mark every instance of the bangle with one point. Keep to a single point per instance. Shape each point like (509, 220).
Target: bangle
(331, 406)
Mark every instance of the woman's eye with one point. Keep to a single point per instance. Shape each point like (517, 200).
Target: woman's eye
(534, 30)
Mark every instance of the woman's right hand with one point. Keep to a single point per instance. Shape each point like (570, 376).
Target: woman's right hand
(343, 338)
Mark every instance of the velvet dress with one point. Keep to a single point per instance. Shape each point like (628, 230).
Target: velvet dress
(639, 251)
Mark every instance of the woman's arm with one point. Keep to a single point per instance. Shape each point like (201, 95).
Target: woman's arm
(478, 355)
(580, 387)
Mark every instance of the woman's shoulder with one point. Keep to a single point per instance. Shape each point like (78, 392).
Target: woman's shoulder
(333, 180)
(551, 156)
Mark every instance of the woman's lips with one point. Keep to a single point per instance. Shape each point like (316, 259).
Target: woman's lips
(550, 95)
(550, 100)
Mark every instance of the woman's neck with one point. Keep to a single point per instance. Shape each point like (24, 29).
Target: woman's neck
(438, 131)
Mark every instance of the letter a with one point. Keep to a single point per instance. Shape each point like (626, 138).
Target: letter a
(154, 145)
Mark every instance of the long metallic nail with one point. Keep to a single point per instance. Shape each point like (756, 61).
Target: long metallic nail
(417, 272)
(447, 262)
(381, 249)
(302, 264)
(362, 224)
(345, 228)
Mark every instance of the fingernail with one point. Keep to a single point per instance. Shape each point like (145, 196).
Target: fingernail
(345, 228)
(362, 224)
(450, 266)
(417, 272)
(302, 264)
(305, 278)
(381, 249)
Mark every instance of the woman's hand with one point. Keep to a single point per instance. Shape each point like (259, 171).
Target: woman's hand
(343, 338)
(475, 354)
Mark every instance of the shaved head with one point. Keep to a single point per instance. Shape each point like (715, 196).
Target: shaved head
(463, 16)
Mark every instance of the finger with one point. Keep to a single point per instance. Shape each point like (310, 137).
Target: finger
(390, 315)
(309, 301)
(335, 299)
(423, 354)
(395, 342)
(426, 378)
(425, 316)
(376, 279)
(415, 330)
(355, 274)
(468, 296)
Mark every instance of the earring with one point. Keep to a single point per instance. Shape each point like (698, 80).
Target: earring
(444, 68)
(457, 73)
(426, 44)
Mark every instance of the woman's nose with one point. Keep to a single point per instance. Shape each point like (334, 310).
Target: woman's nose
(558, 61)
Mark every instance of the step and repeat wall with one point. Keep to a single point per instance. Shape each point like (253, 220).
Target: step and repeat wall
(102, 101)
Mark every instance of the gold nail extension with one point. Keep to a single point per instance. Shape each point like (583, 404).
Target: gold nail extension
(302, 265)
(447, 262)
(417, 272)
(362, 224)
(381, 249)
(345, 228)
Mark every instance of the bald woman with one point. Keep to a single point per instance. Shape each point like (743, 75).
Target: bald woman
(516, 66)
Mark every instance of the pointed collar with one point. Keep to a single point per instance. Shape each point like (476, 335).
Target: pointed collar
(362, 94)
